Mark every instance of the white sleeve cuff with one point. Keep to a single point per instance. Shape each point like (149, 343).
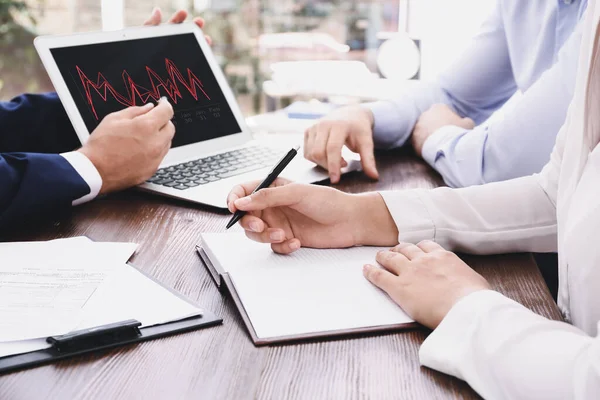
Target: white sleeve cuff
(447, 347)
(387, 124)
(433, 148)
(87, 171)
(410, 214)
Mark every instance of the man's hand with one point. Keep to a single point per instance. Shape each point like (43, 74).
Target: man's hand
(424, 279)
(290, 215)
(438, 116)
(177, 18)
(352, 126)
(128, 146)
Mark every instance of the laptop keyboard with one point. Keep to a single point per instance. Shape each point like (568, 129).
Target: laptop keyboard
(214, 168)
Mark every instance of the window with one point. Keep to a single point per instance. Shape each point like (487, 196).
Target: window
(249, 35)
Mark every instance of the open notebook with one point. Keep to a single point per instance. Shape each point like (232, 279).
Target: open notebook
(311, 293)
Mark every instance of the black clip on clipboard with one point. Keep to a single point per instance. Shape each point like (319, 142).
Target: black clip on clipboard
(102, 338)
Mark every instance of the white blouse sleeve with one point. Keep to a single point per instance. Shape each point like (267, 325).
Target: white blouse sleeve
(505, 351)
(510, 216)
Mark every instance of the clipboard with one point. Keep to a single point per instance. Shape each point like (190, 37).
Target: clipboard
(106, 337)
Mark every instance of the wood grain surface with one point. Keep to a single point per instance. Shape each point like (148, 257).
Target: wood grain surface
(221, 362)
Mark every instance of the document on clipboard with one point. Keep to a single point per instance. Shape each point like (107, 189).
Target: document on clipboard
(49, 290)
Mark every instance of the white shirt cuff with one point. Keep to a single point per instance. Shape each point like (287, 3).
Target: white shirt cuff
(446, 348)
(410, 215)
(88, 173)
(387, 123)
(433, 146)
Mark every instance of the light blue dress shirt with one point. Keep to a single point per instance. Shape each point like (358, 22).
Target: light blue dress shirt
(530, 46)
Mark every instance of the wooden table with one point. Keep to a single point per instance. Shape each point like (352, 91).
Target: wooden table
(221, 362)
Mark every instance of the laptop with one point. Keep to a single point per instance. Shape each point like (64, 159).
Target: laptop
(213, 150)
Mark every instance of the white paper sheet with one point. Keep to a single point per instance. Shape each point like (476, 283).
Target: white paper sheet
(123, 293)
(45, 285)
(310, 291)
(129, 294)
(22, 346)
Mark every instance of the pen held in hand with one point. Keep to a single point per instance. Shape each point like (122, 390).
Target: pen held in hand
(277, 169)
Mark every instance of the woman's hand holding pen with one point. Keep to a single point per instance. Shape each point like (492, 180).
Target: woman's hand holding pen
(424, 279)
(291, 215)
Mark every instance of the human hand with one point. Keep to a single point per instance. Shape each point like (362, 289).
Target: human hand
(352, 126)
(438, 116)
(129, 145)
(177, 18)
(424, 279)
(290, 215)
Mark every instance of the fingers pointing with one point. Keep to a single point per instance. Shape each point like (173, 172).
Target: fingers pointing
(367, 158)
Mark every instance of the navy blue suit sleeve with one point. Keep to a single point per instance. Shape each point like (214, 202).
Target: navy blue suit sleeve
(34, 184)
(36, 123)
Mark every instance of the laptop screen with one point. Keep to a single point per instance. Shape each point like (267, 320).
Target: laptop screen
(108, 77)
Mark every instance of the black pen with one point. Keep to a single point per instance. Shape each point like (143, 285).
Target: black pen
(277, 169)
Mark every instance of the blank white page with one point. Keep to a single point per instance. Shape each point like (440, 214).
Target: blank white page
(310, 291)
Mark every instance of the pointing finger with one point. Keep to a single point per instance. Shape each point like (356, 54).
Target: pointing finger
(367, 157)
(334, 153)
(319, 146)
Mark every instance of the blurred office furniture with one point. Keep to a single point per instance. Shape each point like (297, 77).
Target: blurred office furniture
(313, 41)
(345, 81)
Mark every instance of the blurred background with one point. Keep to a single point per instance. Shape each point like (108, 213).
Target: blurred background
(273, 52)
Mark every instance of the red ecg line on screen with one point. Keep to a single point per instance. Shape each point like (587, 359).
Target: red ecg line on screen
(104, 88)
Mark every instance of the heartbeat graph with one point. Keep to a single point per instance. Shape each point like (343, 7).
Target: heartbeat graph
(103, 88)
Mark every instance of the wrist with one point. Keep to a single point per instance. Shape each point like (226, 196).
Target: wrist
(87, 171)
(373, 225)
(90, 156)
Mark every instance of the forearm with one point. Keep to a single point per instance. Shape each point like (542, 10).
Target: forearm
(36, 123)
(478, 83)
(502, 217)
(394, 119)
(504, 351)
(33, 184)
(519, 143)
(374, 223)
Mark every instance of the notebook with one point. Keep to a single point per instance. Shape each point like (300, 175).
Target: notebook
(311, 293)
